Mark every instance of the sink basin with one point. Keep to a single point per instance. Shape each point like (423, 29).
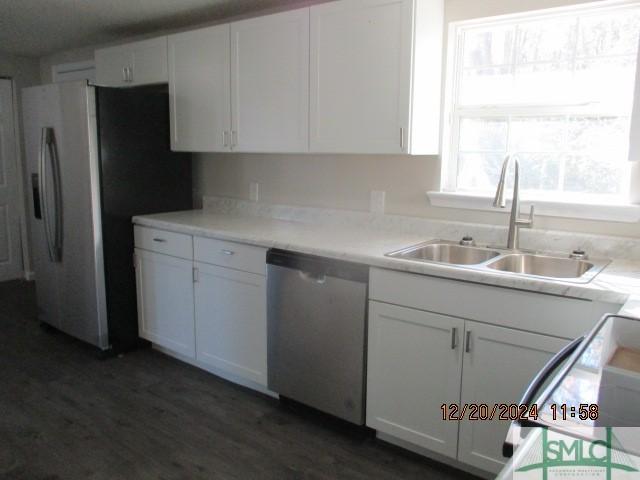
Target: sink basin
(443, 252)
(541, 265)
(491, 259)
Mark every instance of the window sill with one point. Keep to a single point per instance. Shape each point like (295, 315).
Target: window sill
(608, 212)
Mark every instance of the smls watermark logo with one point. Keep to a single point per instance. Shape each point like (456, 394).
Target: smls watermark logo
(566, 457)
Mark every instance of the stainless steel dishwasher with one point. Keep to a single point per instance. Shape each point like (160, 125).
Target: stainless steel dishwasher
(317, 313)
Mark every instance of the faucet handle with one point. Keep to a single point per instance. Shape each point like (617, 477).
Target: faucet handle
(530, 219)
(528, 222)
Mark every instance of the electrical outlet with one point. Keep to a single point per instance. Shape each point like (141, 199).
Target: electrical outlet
(254, 191)
(376, 203)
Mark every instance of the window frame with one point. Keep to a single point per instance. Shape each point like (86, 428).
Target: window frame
(452, 112)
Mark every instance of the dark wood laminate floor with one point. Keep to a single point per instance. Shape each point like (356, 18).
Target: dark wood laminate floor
(65, 414)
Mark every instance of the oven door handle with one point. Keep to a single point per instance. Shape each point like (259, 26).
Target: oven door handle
(534, 389)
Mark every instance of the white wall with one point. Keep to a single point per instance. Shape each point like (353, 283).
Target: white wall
(69, 56)
(24, 71)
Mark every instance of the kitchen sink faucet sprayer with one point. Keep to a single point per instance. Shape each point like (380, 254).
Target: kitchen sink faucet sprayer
(499, 201)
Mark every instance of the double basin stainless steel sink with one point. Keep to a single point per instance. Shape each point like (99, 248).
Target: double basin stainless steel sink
(488, 259)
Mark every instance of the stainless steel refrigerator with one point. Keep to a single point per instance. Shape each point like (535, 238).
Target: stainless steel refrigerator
(95, 157)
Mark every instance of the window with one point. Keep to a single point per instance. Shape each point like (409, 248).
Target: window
(554, 89)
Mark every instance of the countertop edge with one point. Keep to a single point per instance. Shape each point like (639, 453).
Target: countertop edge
(534, 285)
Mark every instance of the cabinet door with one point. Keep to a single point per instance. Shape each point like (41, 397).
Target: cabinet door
(231, 321)
(199, 90)
(165, 301)
(149, 61)
(360, 76)
(498, 366)
(414, 366)
(111, 64)
(270, 83)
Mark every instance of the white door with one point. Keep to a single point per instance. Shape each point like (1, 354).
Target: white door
(231, 321)
(270, 83)
(498, 366)
(165, 301)
(414, 366)
(149, 61)
(111, 65)
(10, 208)
(200, 90)
(360, 76)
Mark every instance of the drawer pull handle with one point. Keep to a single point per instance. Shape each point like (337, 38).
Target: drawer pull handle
(228, 252)
(159, 240)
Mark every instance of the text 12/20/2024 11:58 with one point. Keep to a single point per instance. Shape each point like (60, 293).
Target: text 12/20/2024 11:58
(515, 412)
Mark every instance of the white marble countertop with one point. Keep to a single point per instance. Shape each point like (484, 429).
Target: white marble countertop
(618, 283)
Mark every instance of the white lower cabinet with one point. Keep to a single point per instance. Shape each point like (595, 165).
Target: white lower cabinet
(499, 363)
(231, 321)
(204, 300)
(418, 361)
(165, 301)
(414, 366)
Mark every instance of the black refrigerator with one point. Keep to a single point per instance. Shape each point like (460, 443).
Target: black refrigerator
(96, 157)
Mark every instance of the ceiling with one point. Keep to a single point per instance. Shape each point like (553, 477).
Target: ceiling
(39, 27)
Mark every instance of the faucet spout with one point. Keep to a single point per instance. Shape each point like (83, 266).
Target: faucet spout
(499, 201)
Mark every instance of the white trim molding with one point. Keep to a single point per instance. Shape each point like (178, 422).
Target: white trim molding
(628, 213)
(69, 72)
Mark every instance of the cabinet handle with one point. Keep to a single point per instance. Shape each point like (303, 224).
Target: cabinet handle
(454, 338)
(130, 74)
(234, 138)
(125, 78)
(228, 252)
(225, 142)
(159, 240)
(402, 139)
(196, 275)
(467, 347)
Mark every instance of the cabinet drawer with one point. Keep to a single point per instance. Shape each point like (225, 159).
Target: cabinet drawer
(161, 241)
(547, 314)
(230, 254)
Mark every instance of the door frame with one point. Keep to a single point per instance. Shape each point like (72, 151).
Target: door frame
(27, 274)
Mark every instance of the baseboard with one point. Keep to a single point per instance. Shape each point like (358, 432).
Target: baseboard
(218, 373)
(434, 456)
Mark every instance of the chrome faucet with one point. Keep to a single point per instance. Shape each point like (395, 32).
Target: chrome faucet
(499, 201)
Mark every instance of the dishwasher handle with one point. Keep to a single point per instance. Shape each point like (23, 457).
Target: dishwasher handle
(310, 277)
(316, 269)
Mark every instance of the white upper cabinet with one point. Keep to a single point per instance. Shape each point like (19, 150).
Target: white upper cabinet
(149, 61)
(199, 90)
(270, 83)
(375, 70)
(132, 64)
(111, 66)
(357, 76)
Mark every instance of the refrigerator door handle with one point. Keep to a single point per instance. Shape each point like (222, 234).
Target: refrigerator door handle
(57, 195)
(44, 195)
(54, 239)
